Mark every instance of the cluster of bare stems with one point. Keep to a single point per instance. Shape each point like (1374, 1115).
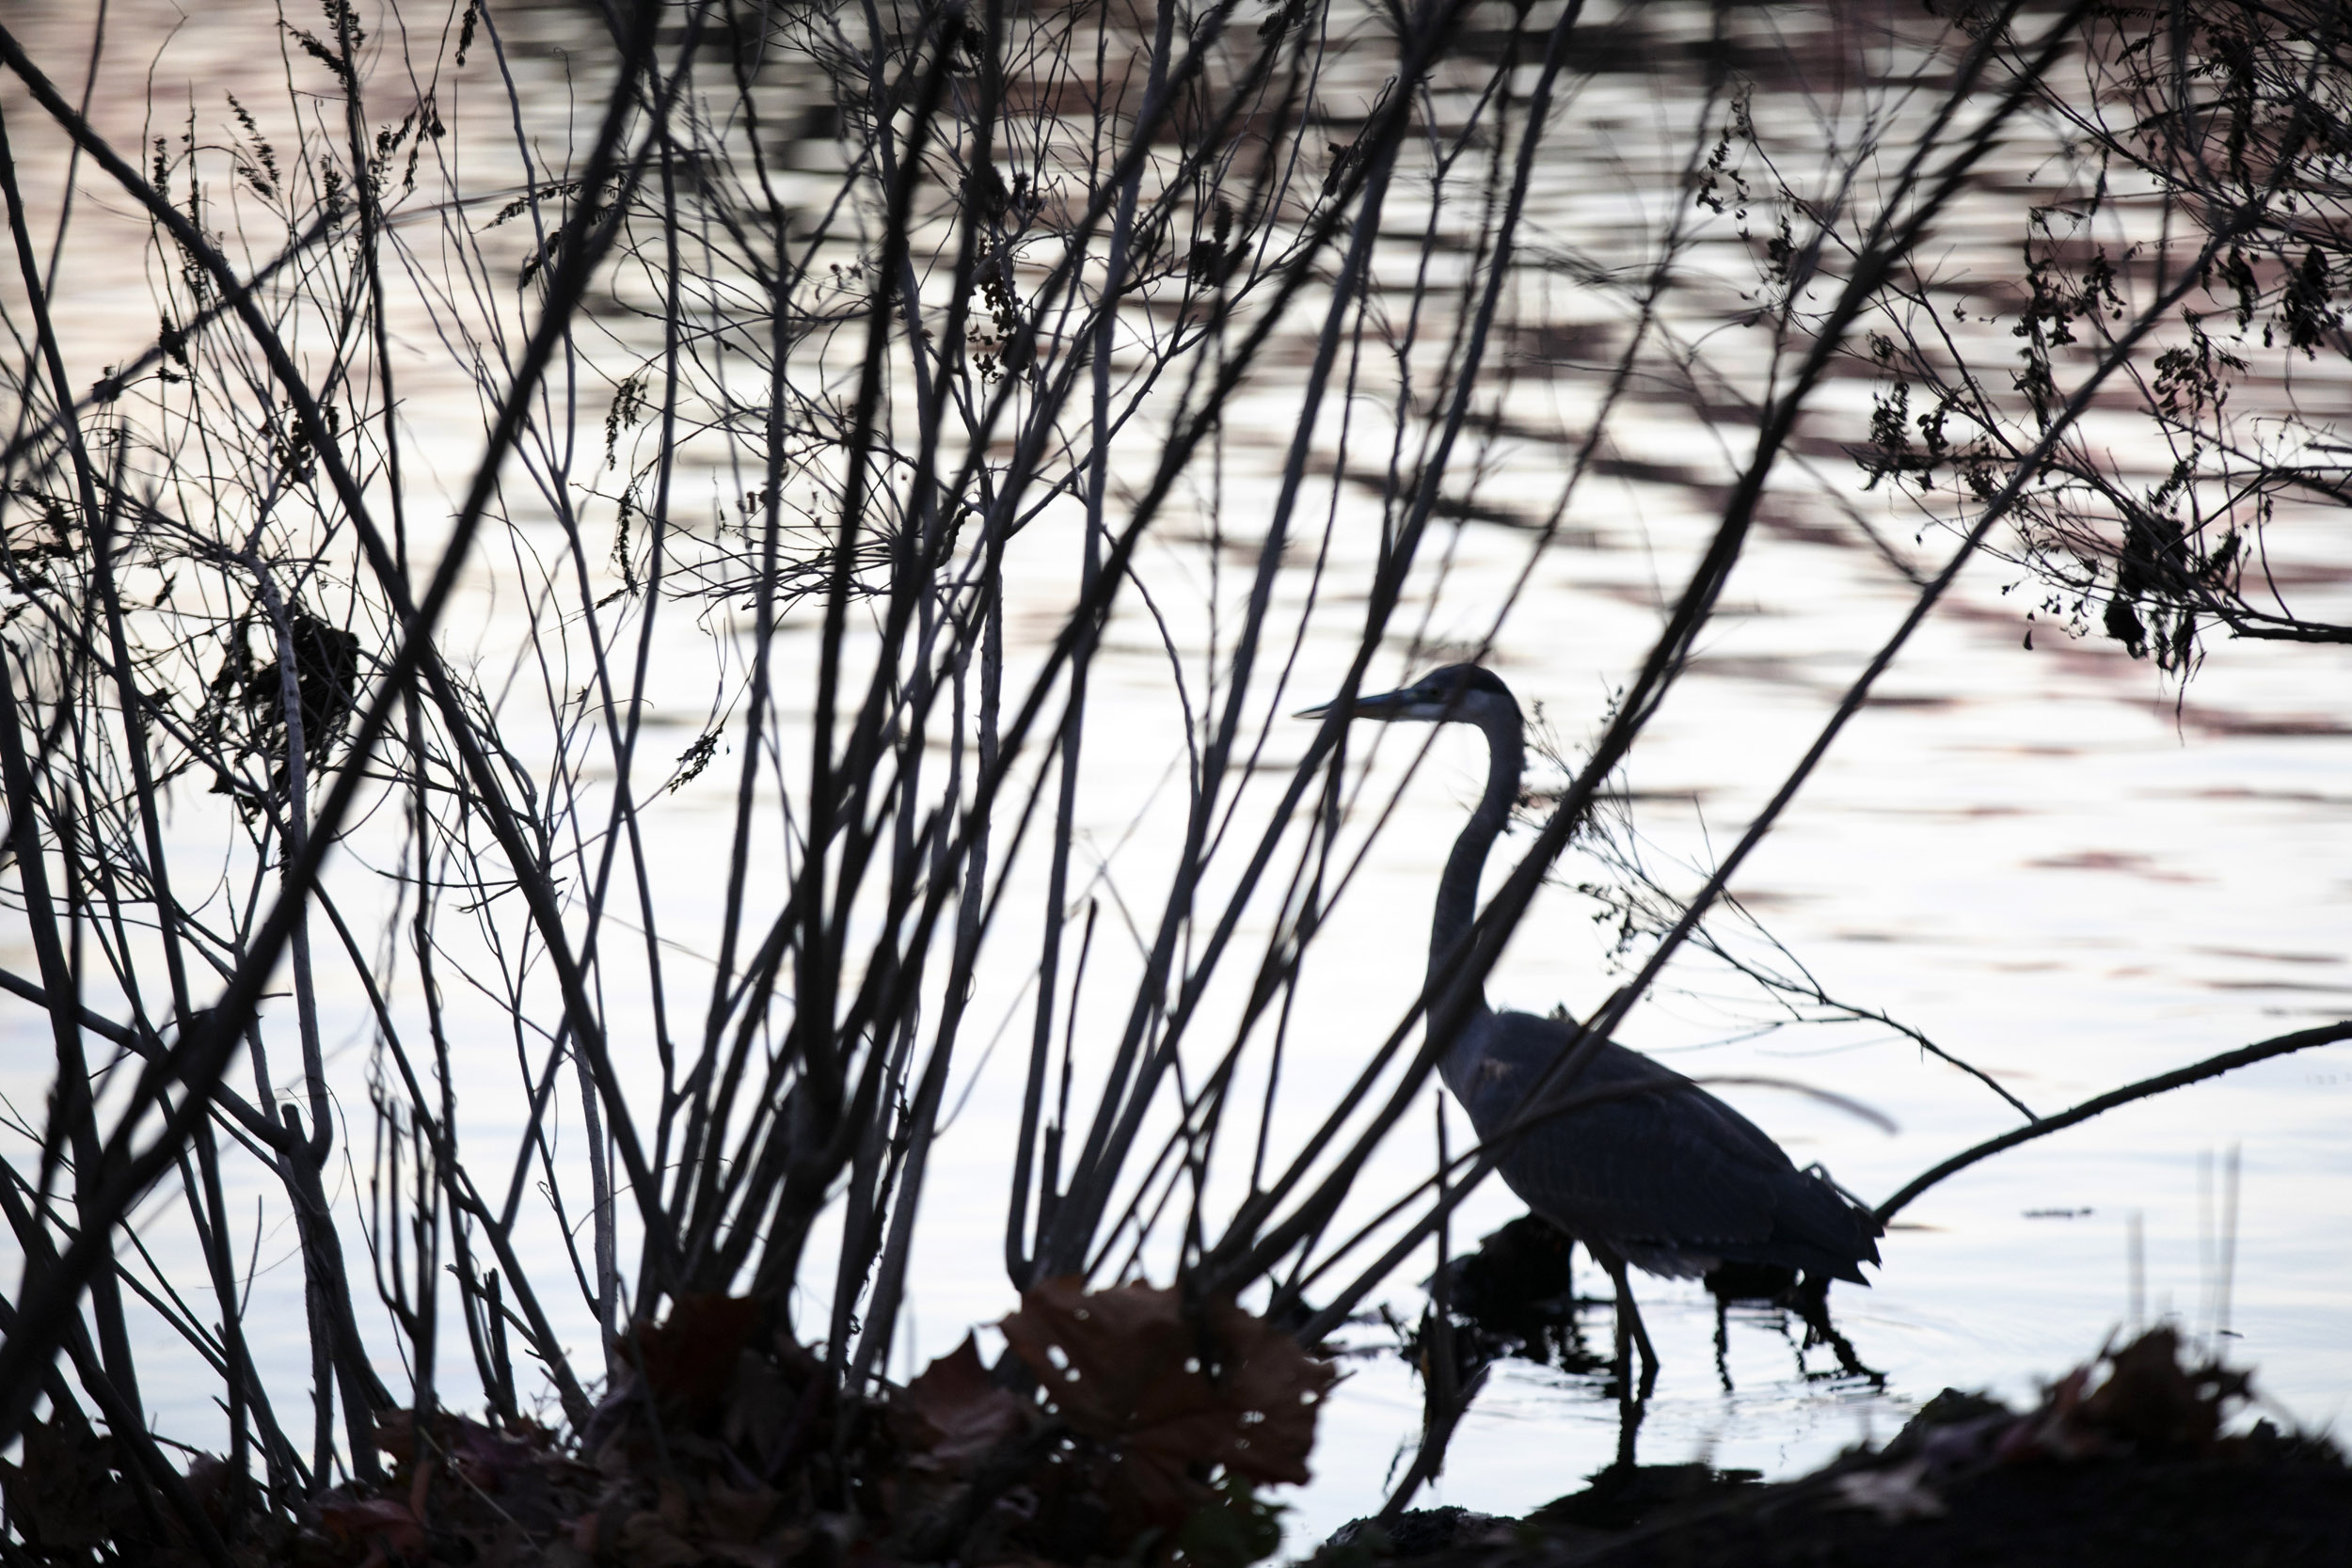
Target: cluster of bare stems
(248, 769)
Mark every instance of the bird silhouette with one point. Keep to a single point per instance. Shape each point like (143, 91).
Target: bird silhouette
(1642, 1165)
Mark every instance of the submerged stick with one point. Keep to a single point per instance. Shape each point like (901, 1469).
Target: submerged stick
(2212, 1066)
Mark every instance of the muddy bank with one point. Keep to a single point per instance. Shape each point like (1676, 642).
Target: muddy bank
(2126, 1460)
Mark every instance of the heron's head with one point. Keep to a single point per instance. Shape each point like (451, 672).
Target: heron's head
(1463, 693)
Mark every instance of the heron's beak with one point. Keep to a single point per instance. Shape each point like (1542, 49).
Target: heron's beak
(1380, 707)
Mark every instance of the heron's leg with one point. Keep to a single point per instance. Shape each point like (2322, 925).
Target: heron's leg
(1641, 1335)
(1629, 1325)
(1722, 1342)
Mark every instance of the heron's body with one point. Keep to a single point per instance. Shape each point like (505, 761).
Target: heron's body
(1660, 1172)
(1639, 1163)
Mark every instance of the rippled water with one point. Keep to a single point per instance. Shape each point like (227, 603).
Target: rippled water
(2050, 861)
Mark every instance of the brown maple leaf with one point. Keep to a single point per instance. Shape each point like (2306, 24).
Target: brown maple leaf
(690, 1360)
(1177, 1396)
(961, 1414)
(374, 1521)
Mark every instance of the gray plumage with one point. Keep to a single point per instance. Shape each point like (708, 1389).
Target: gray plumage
(1670, 1180)
(1673, 1181)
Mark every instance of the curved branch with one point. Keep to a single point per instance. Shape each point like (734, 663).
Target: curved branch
(2212, 1066)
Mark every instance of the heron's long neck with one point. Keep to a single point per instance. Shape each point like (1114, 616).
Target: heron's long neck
(1457, 890)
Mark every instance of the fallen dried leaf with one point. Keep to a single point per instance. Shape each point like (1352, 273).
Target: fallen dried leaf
(960, 1412)
(1895, 1493)
(1178, 1399)
(690, 1360)
(647, 1540)
(738, 1516)
(66, 1488)
(374, 1522)
(2150, 1402)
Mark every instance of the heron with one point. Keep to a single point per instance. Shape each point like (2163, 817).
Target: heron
(1642, 1165)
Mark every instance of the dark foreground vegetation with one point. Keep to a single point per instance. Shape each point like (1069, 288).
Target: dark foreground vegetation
(720, 1443)
(2123, 1461)
(720, 1447)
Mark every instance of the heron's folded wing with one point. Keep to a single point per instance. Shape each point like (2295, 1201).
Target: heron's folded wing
(1637, 1152)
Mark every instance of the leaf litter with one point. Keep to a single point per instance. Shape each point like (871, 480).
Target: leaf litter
(1127, 1425)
